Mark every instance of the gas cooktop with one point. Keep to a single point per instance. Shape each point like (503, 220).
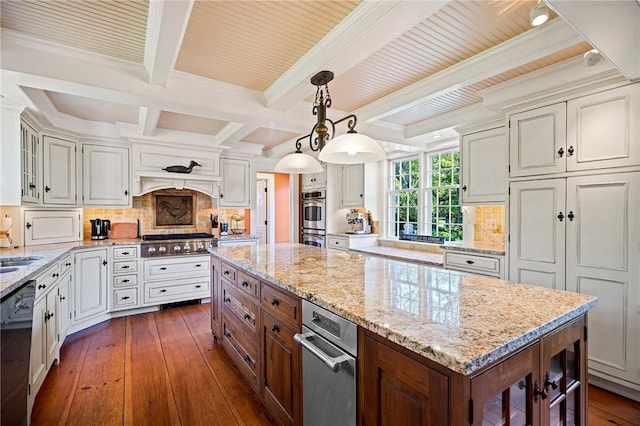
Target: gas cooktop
(165, 237)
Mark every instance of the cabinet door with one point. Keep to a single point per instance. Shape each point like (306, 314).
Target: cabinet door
(398, 390)
(537, 141)
(64, 308)
(353, 185)
(30, 163)
(311, 181)
(38, 345)
(235, 183)
(307, 181)
(51, 327)
(603, 129)
(281, 366)
(564, 376)
(105, 175)
(59, 168)
(537, 219)
(510, 392)
(51, 226)
(602, 260)
(216, 298)
(90, 288)
(484, 167)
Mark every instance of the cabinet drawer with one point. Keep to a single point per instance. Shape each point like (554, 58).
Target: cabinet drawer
(169, 291)
(164, 269)
(125, 298)
(281, 304)
(245, 309)
(472, 263)
(239, 347)
(125, 266)
(228, 272)
(46, 280)
(125, 253)
(337, 243)
(65, 264)
(125, 280)
(248, 284)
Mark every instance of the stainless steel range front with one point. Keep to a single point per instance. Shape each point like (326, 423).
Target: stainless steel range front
(176, 244)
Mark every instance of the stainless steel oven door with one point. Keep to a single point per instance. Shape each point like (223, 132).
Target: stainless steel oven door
(313, 239)
(313, 214)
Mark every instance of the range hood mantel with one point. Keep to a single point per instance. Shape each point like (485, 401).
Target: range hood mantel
(146, 182)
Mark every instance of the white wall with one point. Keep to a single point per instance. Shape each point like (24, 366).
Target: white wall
(10, 156)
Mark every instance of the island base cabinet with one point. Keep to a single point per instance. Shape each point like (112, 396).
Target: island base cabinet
(399, 390)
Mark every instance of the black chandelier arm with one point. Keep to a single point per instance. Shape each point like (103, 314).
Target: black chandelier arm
(353, 120)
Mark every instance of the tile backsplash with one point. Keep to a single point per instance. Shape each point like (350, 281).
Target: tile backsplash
(143, 209)
(490, 223)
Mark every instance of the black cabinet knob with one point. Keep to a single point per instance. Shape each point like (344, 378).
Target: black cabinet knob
(548, 382)
(198, 286)
(247, 358)
(225, 273)
(570, 151)
(41, 286)
(247, 316)
(275, 328)
(275, 302)
(104, 263)
(470, 262)
(126, 267)
(47, 189)
(163, 268)
(125, 253)
(561, 152)
(62, 298)
(570, 216)
(126, 192)
(164, 290)
(464, 187)
(227, 334)
(198, 265)
(125, 297)
(28, 225)
(537, 392)
(560, 217)
(32, 186)
(226, 300)
(245, 284)
(125, 281)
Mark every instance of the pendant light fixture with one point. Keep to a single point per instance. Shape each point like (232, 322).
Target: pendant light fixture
(349, 148)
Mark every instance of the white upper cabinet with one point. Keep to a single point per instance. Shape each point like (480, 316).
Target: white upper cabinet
(353, 185)
(105, 175)
(311, 181)
(537, 141)
(603, 129)
(59, 170)
(484, 167)
(597, 131)
(30, 155)
(236, 185)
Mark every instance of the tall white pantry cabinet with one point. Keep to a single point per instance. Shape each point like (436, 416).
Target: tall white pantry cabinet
(574, 206)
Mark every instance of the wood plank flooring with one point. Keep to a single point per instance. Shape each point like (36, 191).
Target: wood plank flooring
(163, 368)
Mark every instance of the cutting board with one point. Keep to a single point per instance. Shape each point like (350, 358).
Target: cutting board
(123, 230)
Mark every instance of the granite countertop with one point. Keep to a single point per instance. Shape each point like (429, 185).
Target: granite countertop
(348, 235)
(47, 254)
(416, 256)
(486, 248)
(461, 321)
(238, 237)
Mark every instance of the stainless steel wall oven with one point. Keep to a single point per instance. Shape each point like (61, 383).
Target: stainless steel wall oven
(313, 218)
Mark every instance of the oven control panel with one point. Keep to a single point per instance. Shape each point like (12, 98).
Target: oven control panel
(176, 248)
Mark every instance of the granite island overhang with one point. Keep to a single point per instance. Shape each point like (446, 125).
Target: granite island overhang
(461, 321)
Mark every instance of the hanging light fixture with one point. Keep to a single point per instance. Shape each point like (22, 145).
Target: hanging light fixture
(350, 148)
(539, 14)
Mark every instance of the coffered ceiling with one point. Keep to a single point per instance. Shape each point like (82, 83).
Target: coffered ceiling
(236, 73)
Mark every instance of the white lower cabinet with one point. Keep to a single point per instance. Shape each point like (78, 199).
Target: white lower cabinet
(581, 234)
(125, 289)
(65, 304)
(176, 279)
(90, 287)
(351, 241)
(234, 242)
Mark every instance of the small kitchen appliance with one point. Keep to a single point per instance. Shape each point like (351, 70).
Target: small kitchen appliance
(357, 223)
(100, 229)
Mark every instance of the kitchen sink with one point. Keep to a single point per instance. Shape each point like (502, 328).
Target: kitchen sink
(19, 261)
(7, 269)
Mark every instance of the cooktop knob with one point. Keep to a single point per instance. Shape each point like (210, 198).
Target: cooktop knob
(186, 247)
(200, 246)
(177, 248)
(151, 250)
(162, 249)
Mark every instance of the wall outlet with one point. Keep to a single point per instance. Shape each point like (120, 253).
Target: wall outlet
(492, 224)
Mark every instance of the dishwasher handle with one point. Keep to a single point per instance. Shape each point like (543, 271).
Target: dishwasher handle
(334, 363)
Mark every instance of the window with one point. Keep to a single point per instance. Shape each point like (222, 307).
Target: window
(425, 199)
(404, 195)
(443, 213)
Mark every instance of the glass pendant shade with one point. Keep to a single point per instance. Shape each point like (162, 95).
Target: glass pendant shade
(298, 162)
(351, 148)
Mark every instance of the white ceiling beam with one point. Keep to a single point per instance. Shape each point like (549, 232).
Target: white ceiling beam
(525, 48)
(234, 132)
(612, 27)
(368, 28)
(166, 24)
(148, 120)
(470, 114)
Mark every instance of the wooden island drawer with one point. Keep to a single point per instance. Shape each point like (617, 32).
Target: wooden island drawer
(242, 307)
(228, 272)
(248, 284)
(240, 349)
(282, 305)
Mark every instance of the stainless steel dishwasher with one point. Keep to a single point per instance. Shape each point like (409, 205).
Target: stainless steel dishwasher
(329, 351)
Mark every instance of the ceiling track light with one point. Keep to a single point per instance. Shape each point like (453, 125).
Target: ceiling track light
(539, 14)
(349, 148)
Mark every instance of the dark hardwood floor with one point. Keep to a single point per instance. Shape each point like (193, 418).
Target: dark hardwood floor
(163, 368)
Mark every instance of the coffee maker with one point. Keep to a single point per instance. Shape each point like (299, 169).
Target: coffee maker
(100, 229)
(357, 223)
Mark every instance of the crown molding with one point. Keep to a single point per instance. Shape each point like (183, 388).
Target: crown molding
(555, 83)
(522, 49)
(471, 114)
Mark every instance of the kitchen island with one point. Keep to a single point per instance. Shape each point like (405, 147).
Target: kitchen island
(435, 346)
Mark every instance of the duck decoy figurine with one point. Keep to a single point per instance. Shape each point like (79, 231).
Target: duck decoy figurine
(182, 169)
